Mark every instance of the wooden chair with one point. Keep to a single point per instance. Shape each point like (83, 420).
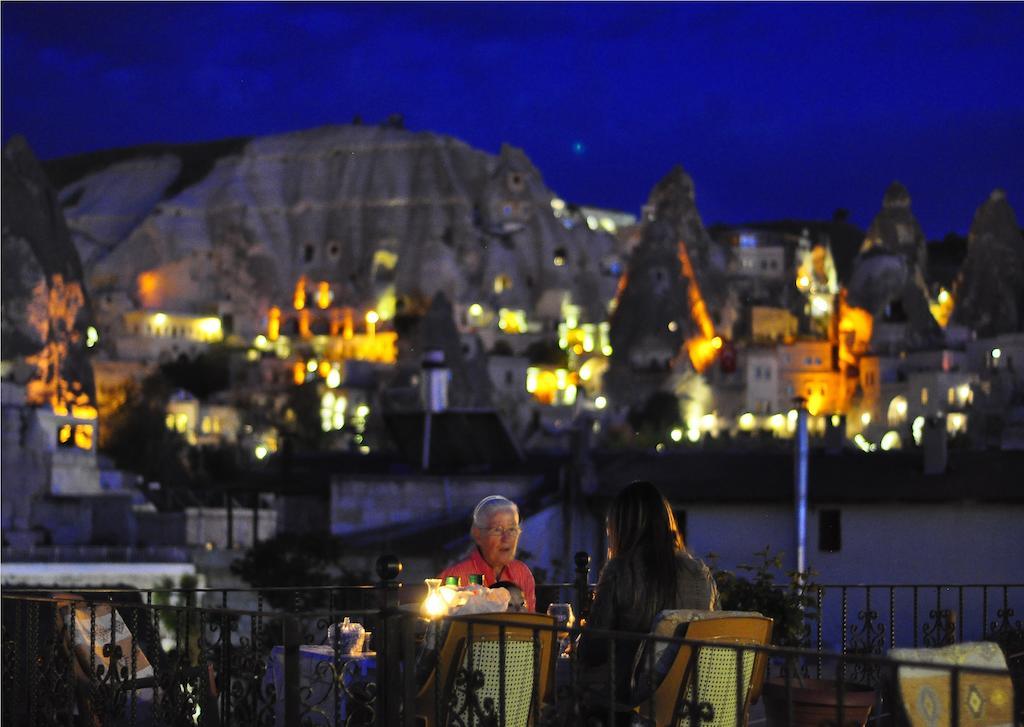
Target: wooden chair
(716, 675)
(526, 643)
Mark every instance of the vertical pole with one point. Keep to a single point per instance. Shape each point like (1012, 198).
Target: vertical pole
(291, 670)
(255, 518)
(231, 519)
(426, 441)
(582, 560)
(800, 485)
(388, 636)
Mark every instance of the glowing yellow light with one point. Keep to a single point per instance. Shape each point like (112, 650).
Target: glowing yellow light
(476, 310)
(311, 365)
(169, 421)
(299, 297)
(964, 392)
(747, 421)
(577, 349)
(956, 423)
(181, 422)
(676, 434)
(434, 604)
(708, 422)
(260, 341)
(83, 436)
(865, 419)
(716, 342)
(803, 282)
(503, 325)
(587, 370)
(298, 372)
(372, 317)
(160, 319)
(835, 420)
(323, 294)
(91, 337)
(890, 440)
(600, 402)
(273, 323)
(917, 429)
(861, 442)
(557, 204)
(362, 410)
(334, 378)
(210, 327)
(693, 435)
(606, 350)
(996, 353)
(531, 379)
(260, 451)
(777, 421)
(943, 296)
(64, 433)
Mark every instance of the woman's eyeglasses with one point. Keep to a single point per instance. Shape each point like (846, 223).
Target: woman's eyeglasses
(501, 532)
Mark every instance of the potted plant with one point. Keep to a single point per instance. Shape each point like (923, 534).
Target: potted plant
(789, 601)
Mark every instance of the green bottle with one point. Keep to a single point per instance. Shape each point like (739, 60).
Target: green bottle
(452, 581)
(477, 578)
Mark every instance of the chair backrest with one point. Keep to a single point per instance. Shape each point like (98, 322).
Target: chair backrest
(709, 682)
(485, 668)
(926, 693)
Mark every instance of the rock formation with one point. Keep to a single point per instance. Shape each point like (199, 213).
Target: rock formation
(890, 268)
(45, 311)
(652, 317)
(374, 210)
(989, 291)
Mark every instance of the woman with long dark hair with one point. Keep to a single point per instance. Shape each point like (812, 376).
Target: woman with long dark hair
(648, 571)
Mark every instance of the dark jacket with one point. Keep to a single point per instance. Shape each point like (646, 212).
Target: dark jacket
(624, 601)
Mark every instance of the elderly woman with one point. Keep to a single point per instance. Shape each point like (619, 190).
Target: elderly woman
(495, 534)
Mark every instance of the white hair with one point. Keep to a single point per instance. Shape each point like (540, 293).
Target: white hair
(488, 506)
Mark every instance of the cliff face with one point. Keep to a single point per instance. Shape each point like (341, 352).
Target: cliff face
(652, 318)
(891, 265)
(45, 311)
(989, 291)
(373, 210)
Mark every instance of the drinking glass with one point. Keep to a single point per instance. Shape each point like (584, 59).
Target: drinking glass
(564, 620)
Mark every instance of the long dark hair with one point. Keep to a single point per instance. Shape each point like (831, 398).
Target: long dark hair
(642, 528)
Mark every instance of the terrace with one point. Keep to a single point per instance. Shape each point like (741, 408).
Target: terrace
(220, 657)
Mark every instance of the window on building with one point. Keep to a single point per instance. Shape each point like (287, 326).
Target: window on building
(924, 395)
(830, 533)
(951, 398)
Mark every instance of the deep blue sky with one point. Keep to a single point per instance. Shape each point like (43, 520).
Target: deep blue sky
(781, 110)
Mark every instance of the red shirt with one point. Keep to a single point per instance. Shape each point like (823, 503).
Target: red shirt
(517, 572)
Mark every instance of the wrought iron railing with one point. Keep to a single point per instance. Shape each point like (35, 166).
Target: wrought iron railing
(215, 657)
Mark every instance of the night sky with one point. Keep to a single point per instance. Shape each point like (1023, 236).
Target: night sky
(782, 110)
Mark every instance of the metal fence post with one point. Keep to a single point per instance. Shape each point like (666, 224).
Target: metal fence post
(291, 671)
(582, 584)
(389, 642)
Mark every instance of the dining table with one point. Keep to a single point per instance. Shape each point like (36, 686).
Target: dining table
(320, 704)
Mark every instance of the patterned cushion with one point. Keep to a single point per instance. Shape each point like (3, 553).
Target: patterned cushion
(476, 696)
(984, 699)
(668, 624)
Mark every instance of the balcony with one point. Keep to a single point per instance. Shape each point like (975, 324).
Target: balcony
(220, 657)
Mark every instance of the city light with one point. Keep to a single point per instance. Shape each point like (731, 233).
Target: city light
(600, 402)
(676, 434)
(747, 421)
(260, 451)
(890, 440)
(159, 319)
(91, 337)
(996, 353)
(865, 419)
(476, 310)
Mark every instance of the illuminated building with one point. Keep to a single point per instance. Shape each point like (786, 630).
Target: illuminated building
(156, 336)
